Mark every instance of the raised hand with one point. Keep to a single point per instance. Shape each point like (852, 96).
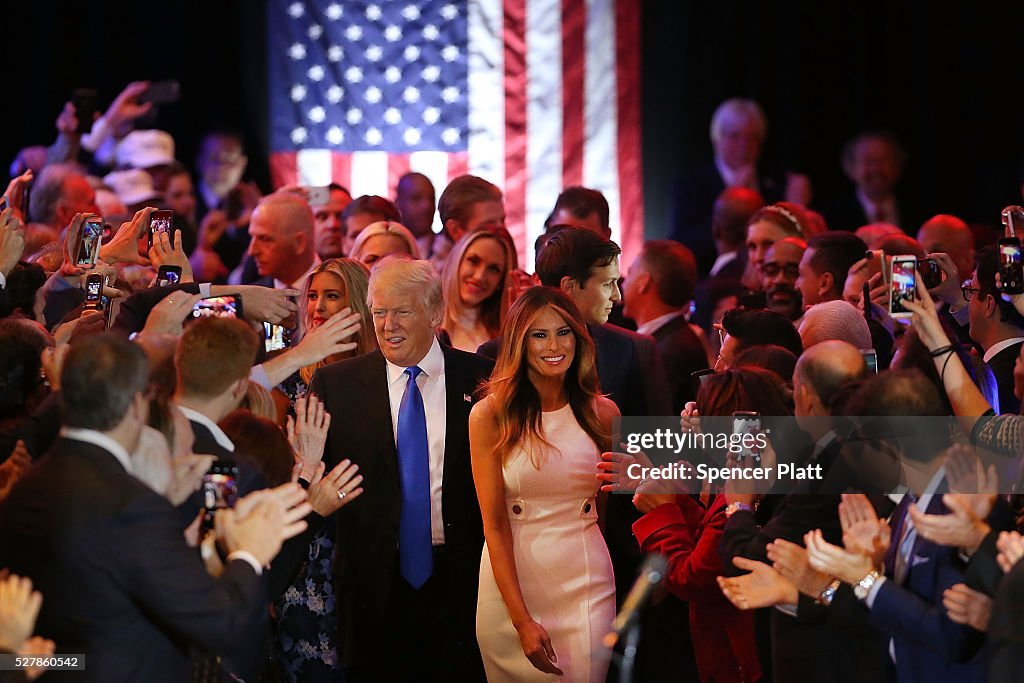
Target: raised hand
(126, 107)
(19, 607)
(1011, 548)
(961, 528)
(330, 492)
(307, 432)
(15, 194)
(166, 252)
(762, 587)
(124, 246)
(168, 316)
(614, 470)
(12, 240)
(266, 304)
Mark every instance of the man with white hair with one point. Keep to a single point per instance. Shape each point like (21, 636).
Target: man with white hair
(838, 320)
(408, 582)
(281, 241)
(738, 130)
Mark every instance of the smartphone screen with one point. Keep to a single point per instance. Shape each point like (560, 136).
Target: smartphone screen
(745, 427)
(159, 221)
(903, 284)
(1011, 272)
(228, 306)
(93, 290)
(275, 337)
(89, 242)
(871, 359)
(168, 275)
(220, 489)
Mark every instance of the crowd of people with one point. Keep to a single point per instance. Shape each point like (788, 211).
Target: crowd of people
(337, 445)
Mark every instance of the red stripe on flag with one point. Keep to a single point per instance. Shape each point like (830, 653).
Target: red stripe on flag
(627, 79)
(398, 166)
(284, 169)
(458, 164)
(515, 121)
(341, 169)
(574, 51)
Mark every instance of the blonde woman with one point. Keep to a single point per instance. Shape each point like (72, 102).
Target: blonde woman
(478, 285)
(381, 239)
(547, 593)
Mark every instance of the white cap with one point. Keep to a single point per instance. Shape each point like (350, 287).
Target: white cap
(145, 149)
(132, 186)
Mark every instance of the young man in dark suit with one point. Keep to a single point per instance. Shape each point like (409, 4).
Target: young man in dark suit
(996, 326)
(409, 549)
(107, 552)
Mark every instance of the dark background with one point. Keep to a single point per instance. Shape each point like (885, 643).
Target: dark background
(944, 77)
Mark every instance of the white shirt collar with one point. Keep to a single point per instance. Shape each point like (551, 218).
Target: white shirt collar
(301, 282)
(991, 351)
(722, 261)
(102, 441)
(432, 365)
(655, 324)
(218, 434)
(871, 208)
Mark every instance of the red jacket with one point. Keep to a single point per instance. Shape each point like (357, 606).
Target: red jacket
(688, 535)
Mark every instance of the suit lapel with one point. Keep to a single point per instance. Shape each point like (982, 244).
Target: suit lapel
(375, 397)
(456, 432)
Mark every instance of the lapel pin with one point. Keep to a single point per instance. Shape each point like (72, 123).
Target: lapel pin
(467, 398)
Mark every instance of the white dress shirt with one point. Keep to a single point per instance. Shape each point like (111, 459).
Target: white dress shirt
(655, 324)
(432, 388)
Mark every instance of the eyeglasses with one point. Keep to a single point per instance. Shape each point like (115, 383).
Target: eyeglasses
(968, 291)
(791, 270)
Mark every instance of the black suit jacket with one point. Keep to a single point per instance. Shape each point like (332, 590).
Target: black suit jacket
(118, 581)
(355, 393)
(1002, 367)
(683, 354)
(846, 213)
(695, 197)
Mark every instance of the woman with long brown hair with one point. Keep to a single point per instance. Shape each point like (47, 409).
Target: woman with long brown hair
(547, 593)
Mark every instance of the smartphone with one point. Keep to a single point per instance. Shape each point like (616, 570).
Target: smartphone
(94, 292)
(318, 196)
(876, 263)
(89, 242)
(161, 92)
(1011, 272)
(228, 306)
(220, 489)
(746, 423)
(87, 103)
(167, 275)
(159, 221)
(275, 337)
(902, 285)
(871, 359)
(931, 274)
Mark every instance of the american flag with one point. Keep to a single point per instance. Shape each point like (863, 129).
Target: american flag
(532, 95)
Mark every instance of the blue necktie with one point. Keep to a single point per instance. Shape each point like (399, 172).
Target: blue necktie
(414, 541)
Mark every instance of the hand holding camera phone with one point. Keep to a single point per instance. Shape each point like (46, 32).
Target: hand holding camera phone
(89, 242)
(94, 292)
(1011, 271)
(167, 276)
(159, 221)
(902, 285)
(220, 489)
(747, 423)
(227, 306)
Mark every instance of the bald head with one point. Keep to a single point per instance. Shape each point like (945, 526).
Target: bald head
(730, 215)
(281, 232)
(895, 245)
(827, 366)
(950, 235)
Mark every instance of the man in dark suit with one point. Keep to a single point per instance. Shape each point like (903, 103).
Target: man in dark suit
(408, 555)
(873, 161)
(107, 552)
(737, 132)
(996, 326)
(729, 216)
(659, 287)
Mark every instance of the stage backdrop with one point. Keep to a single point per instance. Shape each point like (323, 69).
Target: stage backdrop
(532, 95)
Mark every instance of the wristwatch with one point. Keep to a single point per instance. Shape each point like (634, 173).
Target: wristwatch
(733, 508)
(863, 587)
(825, 598)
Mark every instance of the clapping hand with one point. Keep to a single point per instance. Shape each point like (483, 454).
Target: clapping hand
(863, 532)
(762, 587)
(791, 561)
(1011, 548)
(848, 567)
